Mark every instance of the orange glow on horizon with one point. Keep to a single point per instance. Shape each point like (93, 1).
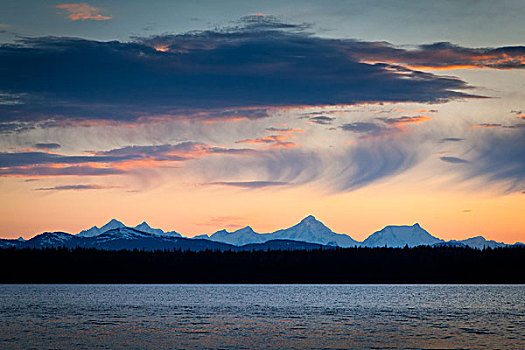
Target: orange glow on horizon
(162, 48)
(440, 212)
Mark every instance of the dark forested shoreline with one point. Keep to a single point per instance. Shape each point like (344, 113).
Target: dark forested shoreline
(348, 265)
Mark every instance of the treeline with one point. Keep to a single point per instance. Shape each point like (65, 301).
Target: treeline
(348, 265)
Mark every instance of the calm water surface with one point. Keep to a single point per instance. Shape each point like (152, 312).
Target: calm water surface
(261, 316)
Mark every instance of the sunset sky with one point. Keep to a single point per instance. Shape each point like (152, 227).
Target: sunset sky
(201, 115)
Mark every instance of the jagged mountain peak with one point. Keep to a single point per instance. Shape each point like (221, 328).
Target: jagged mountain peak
(309, 230)
(241, 236)
(313, 231)
(113, 223)
(144, 223)
(246, 229)
(309, 219)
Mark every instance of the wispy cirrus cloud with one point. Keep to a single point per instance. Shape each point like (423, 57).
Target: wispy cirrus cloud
(498, 157)
(369, 161)
(83, 11)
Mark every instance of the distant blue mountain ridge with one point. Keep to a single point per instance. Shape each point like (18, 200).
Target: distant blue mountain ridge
(308, 234)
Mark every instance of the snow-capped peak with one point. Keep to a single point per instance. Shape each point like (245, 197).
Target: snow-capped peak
(241, 236)
(400, 236)
(144, 224)
(144, 227)
(115, 224)
(111, 225)
(95, 231)
(92, 232)
(312, 230)
(480, 242)
(246, 229)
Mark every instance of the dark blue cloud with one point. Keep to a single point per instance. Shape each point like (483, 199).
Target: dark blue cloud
(383, 126)
(454, 160)
(40, 163)
(249, 184)
(18, 159)
(364, 127)
(78, 170)
(322, 120)
(261, 62)
(451, 139)
(74, 188)
(44, 145)
(441, 55)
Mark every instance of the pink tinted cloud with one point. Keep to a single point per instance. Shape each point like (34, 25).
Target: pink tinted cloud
(286, 130)
(273, 141)
(282, 140)
(54, 170)
(406, 120)
(83, 11)
(115, 161)
(444, 56)
(384, 127)
(76, 188)
(232, 222)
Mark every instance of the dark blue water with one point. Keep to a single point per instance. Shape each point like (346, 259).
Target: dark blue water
(261, 316)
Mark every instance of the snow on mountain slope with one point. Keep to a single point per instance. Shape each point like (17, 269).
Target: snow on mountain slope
(480, 242)
(245, 235)
(95, 231)
(309, 230)
(115, 235)
(111, 225)
(92, 232)
(144, 227)
(313, 231)
(400, 236)
(115, 224)
(122, 233)
(49, 240)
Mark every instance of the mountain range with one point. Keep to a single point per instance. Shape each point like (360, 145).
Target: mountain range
(308, 234)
